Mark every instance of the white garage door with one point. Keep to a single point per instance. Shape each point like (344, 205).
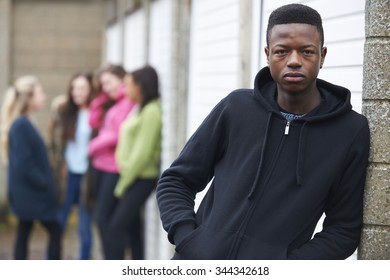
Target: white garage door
(160, 52)
(134, 36)
(113, 44)
(214, 56)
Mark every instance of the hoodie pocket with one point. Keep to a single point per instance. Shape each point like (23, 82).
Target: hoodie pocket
(205, 244)
(254, 249)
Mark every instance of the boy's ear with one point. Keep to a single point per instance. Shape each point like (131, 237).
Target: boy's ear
(323, 55)
(266, 50)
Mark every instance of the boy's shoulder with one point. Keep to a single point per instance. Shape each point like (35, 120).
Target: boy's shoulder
(239, 98)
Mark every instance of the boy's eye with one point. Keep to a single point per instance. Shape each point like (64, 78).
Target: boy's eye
(280, 51)
(308, 52)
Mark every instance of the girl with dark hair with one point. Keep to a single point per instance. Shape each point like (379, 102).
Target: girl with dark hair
(138, 158)
(31, 187)
(106, 121)
(75, 135)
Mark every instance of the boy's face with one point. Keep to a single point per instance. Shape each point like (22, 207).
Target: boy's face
(294, 56)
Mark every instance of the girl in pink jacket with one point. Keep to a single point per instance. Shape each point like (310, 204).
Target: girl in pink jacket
(102, 147)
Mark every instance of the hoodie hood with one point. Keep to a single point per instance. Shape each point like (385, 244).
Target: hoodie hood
(336, 102)
(336, 99)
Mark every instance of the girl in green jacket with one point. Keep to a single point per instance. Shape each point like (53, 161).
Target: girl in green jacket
(138, 158)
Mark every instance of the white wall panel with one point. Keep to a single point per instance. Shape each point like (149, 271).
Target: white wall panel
(160, 50)
(336, 8)
(114, 44)
(344, 28)
(214, 56)
(160, 57)
(135, 32)
(347, 54)
(214, 6)
(257, 37)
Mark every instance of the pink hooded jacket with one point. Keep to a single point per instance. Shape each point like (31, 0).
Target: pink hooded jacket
(102, 147)
(96, 110)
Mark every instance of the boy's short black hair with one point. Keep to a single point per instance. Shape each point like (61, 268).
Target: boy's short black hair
(295, 13)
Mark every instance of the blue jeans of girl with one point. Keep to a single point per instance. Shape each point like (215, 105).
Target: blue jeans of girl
(73, 198)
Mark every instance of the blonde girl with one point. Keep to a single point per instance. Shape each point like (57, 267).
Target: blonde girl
(31, 189)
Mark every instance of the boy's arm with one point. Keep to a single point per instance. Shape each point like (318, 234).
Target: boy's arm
(189, 174)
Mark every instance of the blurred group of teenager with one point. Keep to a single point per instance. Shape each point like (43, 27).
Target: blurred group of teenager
(102, 155)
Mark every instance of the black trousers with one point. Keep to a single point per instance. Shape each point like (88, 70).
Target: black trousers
(23, 236)
(126, 219)
(106, 202)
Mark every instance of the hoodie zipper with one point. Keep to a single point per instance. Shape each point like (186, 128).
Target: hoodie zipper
(256, 200)
(287, 128)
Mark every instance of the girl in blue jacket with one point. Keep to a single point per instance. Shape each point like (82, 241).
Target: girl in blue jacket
(75, 136)
(31, 189)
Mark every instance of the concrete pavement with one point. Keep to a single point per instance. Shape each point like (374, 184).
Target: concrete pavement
(38, 242)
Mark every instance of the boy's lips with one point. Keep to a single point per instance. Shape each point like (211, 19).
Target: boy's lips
(293, 77)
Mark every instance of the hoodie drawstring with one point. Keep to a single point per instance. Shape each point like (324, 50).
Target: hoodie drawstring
(301, 154)
(261, 157)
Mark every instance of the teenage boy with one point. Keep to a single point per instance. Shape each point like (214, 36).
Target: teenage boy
(279, 156)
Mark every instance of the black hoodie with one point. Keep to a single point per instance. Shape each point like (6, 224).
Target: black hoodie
(271, 179)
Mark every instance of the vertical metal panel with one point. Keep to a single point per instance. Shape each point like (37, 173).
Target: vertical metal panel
(214, 56)
(134, 44)
(160, 53)
(114, 44)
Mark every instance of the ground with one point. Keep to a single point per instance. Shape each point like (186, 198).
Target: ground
(38, 242)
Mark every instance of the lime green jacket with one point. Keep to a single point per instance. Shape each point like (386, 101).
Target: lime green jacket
(139, 147)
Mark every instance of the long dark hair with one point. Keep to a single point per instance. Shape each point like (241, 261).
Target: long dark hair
(147, 79)
(69, 110)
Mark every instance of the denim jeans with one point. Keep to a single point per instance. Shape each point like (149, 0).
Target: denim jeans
(73, 197)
